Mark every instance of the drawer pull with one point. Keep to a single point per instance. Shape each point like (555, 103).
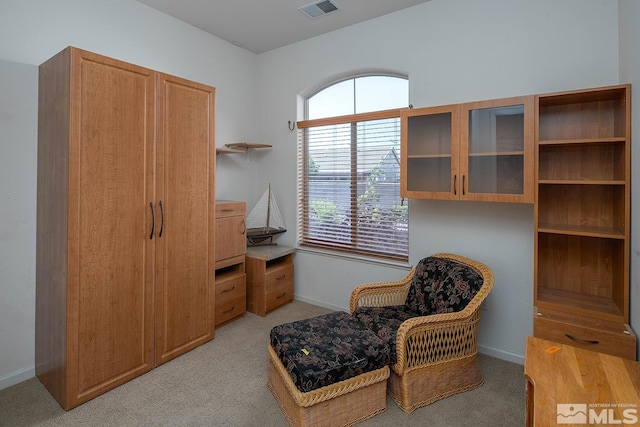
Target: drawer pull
(224, 291)
(571, 337)
(227, 210)
(281, 277)
(281, 295)
(230, 310)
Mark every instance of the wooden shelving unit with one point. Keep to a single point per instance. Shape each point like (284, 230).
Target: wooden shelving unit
(582, 217)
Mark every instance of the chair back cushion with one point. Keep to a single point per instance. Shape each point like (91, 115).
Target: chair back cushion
(442, 285)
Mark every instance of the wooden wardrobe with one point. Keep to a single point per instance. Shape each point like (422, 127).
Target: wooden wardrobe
(125, 230)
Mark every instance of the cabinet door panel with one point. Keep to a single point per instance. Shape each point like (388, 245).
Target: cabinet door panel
(230, 237)
(429, 153)
(496, 150)
(110, 254)
(185, 259)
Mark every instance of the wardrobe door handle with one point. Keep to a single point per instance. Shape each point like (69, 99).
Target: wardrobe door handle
(455, 185)
(153, 220)
(244, 227)
(162, 222)
(571, 337)
(463, 185)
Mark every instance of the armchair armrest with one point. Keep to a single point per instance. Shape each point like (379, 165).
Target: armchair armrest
(381, 294)
(437, 338)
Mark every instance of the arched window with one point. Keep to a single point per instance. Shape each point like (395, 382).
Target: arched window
(349, 168)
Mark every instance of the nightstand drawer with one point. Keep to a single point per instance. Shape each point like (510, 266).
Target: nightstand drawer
(605, 337)
(278, 276)
(279, 296)
(230, 288)
(229, 309)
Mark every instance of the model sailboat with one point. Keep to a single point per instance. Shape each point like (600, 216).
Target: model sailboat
(265, 220)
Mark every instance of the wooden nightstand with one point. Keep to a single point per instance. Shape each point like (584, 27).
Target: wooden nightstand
(269, 278)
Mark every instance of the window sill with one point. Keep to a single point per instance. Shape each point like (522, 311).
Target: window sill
(355, 258)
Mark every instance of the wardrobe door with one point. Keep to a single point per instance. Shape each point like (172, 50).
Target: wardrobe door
(185, 237)
(110, 253)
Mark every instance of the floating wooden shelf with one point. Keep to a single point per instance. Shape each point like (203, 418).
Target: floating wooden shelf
(244, 146)
(221, 150)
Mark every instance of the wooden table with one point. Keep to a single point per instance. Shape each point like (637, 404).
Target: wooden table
(571, 386)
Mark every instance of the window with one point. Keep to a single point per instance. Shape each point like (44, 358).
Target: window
(349, 168)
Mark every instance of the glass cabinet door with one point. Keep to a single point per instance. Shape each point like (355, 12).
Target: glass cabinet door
(496, 143)
(430, 153)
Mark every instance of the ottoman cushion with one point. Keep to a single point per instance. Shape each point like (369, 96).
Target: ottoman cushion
(326, 349)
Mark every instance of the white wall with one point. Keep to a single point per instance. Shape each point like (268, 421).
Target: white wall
(630, 73)
(18, 173)
(453, 51)
(31, 31)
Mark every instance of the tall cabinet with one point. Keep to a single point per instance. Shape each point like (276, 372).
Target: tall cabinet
(582, 219)
(124, 224)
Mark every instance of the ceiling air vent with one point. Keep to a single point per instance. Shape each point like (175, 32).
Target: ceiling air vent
(318, 9)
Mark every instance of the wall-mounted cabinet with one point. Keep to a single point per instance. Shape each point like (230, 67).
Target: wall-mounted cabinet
(474, 151)
(582, 217)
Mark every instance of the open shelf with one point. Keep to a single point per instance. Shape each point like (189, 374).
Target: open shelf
(243, 146)
(582, 272)
(582, 207)
(603, 232)
(226, 150)
(579, 302)
(596, 161)
(599, 113)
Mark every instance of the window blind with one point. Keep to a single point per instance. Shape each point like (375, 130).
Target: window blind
(349, 185)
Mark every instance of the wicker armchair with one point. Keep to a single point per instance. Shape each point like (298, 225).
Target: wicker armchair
(430, 320)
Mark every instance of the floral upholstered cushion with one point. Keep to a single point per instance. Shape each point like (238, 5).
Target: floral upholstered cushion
(385, 321)
(326, 349)
(441, 285)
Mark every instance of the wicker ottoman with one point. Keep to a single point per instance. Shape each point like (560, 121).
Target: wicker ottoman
(329, 370)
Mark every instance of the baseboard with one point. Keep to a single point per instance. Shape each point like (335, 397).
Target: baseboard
(320, 303)
(501, 354)
(16, 377)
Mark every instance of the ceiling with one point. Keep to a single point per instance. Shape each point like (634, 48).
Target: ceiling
(262, 25)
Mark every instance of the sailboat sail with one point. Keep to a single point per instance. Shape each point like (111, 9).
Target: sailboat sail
(265, 219)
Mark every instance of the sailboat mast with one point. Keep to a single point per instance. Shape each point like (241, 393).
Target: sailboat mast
(268, 208)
